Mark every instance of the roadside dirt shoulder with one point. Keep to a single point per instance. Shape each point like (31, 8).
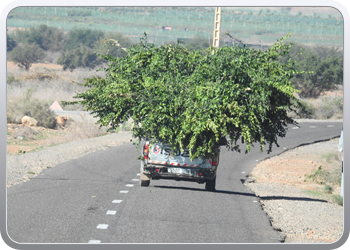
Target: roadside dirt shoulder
(298, 206)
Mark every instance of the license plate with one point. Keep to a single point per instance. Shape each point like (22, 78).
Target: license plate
(177, 170)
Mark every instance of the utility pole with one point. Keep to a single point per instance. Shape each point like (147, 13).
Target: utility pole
(217, 26)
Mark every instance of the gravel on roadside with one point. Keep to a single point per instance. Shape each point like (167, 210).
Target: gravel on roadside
(301, 217)
(23, 167)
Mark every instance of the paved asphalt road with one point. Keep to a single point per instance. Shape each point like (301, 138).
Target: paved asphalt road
(91, 199)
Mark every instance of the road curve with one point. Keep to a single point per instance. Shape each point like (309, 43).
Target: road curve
(97, 199)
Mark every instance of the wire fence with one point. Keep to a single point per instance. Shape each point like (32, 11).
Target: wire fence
(165, 25)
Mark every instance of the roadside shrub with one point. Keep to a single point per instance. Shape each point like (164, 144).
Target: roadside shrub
(324, 66)
(25, 133)
(307, 111)
(84, 130)
(330, 107)
(337, 199)
(329, 173)
(32, 107)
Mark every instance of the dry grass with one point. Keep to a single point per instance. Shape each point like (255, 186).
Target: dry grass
(48, 82)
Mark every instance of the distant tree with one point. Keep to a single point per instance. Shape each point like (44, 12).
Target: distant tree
(324, 64)
(11, 43)
(82, 56)
(53, 39)
(27, 54)
(326, 75)
(48, 38)
(86, 37)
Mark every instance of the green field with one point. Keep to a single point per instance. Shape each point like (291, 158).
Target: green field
(251, 25)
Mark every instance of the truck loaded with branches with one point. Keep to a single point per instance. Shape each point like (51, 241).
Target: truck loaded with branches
(197, 101)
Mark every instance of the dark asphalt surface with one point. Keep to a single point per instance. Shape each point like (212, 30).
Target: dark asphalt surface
(67, 203)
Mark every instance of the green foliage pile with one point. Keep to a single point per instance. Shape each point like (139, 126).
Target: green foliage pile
(194, 99)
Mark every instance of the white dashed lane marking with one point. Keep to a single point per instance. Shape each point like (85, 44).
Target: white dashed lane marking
(112, 212)
(312, 127)
(94, 241)
(295, 128)
(330, 126)
(102, 226)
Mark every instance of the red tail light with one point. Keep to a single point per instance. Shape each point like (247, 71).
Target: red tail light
(199, 174)
(214, 163)
(145, 151)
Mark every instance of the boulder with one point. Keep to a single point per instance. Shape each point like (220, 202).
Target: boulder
(29, 121)
(61, 121)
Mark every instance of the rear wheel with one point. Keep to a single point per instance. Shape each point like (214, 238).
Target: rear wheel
(144, 179)
(210, 185)
(144, 183)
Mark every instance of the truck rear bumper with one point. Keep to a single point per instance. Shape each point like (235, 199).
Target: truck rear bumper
(199, 175)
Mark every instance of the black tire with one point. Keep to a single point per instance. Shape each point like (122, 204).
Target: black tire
(210, 185)
(144, 180)
(144, 183)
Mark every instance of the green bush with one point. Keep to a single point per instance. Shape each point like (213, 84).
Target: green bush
(11, 43)
(87, 37)
(324, 66)
(47, 38)
(27, 54)
(337, 199)
(307, 111)
(25, 133)
(28, 106)
(330, 106)
(82, 56)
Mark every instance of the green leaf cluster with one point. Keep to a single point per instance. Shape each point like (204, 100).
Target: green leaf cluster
(197, 99)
